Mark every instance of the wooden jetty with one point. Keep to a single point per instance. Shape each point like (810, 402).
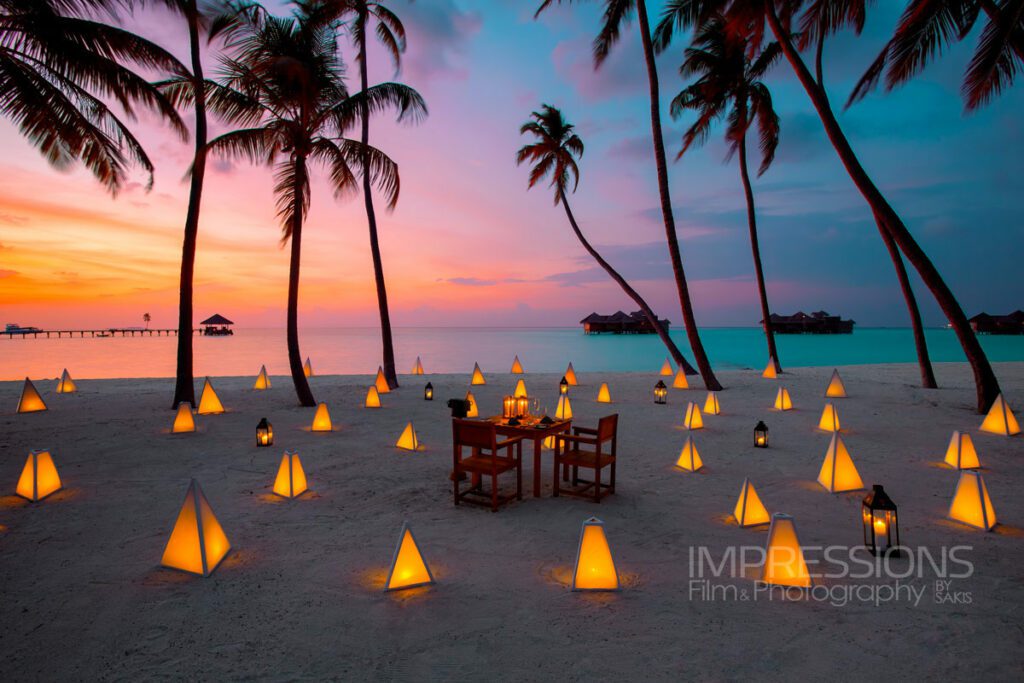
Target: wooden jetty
(108, 332)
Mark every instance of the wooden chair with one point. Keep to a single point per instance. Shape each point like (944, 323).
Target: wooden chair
(570, 451)
(484, 460)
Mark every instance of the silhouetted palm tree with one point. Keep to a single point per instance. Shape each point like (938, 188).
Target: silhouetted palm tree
(752, 17)
(555, 154)
(928, 26)
(729, 85)
(391, 34)
(58, 65)
(617, 13)
(284, 88)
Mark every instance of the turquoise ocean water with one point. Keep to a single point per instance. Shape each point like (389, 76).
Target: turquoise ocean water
(444, 350)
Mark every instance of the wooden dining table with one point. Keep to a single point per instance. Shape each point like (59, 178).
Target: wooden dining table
(534, 429)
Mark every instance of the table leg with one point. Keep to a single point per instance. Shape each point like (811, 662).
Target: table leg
(537, 443)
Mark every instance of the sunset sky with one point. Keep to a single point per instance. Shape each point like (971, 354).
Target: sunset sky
(468, 245)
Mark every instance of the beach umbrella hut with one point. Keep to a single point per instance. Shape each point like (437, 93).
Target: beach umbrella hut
(197, 543)
(693, 419)
(408, 566)
(689, 458)
(971, 503)
(408, 440)
(829, 421)
(262, 380)
(478, 377)
(836, 388)
(782, 400)
(749, 510)
(961, 453)
(1000, 419)
(66, 385)
(30, 401)
(838, 473)
(595, 568)
(784, 563)
(372, 397)
(291, 478)
(603, 394)
(209, 402)
(39, 477)
(322, 419)
(517, 367)
(183, 420)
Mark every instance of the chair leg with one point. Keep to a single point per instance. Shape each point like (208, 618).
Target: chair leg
(613, 477)
(575, 475)
(519, 476)
(494, 492)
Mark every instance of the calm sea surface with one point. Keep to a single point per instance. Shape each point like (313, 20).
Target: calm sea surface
(443, 350)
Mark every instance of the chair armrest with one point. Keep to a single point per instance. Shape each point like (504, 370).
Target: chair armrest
(508, 443)
(584, 430)
(576, 439)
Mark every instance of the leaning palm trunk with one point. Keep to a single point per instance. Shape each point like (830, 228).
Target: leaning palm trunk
(985, 380)
(755, 248)
(673, 350)
(302, 390)
(184, 387)
(699, 355)
(371, 218)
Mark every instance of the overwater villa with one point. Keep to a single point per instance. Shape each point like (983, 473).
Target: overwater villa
(620, 323)
(983, 323)
(217, 326)
(819, 322)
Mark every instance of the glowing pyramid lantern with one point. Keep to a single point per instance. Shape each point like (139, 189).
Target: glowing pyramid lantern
(680, 381)
(836, 388)
(291, 478)
(209, 402)
(971, 503)
(693, 419)
(784, 563)
(372, 397)
(749, 510)
(769, 370)
(666, 368)
(570, 376)
(829, 421)
(39, 477)
(603, 394)
(595, 569)
(307, 368)
(517, 367)
(564, 409)
(183, 420)
(961, 453)
(197, 543)
(262, 380)
(520, 391)
(322, 419)
(838, 473)
(474, 409)
(689, 458)
(1000, 419)
(408, 441)
(711, 406)
(418, 368)
(30, 401)
(408, 566)
(478, 376)
(66, 385)
(381, 382)
(782, 400)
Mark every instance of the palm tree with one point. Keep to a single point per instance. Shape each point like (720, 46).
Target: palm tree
(555, 154)
(391, 34)
(617, 13)
(753, 16)
(58, 65)
(284, 87)
(928, 26)
(146, 318)
(729, 85)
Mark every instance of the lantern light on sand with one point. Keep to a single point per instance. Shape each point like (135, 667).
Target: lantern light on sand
(408, 440)
(372, 397)
(39, 477)
(769, 370)
(784, 558)
(307, 368)
(971, 502)
(66, 385)
(563, 386)
(428, 392)
(680, 381)
(961, 453)
(782, 400)
(836, 388)
(520, 389)
(197, 543)
(381, 383)
(666, 368)
(880, 522)
(478, 377)
(570, 376)
(322, 419)
(262, 380)
(838, 473)
(264, 433)
(408, 567)
(30, 401)
(760, 435)
(1000, 419)
(689, 458)
(291, 478)
(564, 409)
(418, 368)
(693, 419)
(660, 392)
(183, 420)
(209, 402)
(829, 421)
(749, 510)
(603, 394)
(711, 406)
(595, 568)
(517, 367)
(474, 409)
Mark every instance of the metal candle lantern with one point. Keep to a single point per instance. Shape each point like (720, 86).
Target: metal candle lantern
(522, 406)
(660, 392)
(881, 525)
(761, 435)
(563, 386)
(264, 433)
(508, 407)
(428, 392)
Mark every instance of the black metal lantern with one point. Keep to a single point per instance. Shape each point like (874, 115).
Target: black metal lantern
(881, 526)
(264, 433)
(761, 435)
(563, 386)
(428, 392)
(660, 392)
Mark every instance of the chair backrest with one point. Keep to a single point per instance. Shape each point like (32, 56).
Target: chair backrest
(474, 434)
(607, 427)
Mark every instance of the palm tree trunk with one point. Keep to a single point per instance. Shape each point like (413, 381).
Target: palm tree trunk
(699, 355)
(184, 385)
(673, 350)
(755, 248)
(924, 361)
(371, 218)
(986, 384)
(302, 389)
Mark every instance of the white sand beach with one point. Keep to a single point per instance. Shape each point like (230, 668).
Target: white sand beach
(300, 595)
